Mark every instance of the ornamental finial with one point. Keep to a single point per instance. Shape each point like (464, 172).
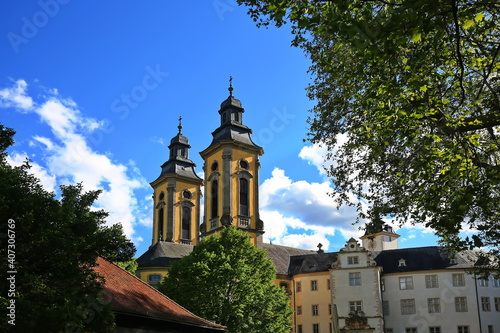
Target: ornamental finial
(180, 124)
(230, 86)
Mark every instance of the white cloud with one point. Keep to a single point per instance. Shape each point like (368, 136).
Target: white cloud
(16, 96)
(302, 214)
(48, 181)
(69, 158)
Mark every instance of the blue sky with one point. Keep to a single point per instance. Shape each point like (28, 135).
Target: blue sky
(94, 90)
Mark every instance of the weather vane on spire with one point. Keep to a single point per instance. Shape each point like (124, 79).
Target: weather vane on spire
(230, 85)
(180, 124)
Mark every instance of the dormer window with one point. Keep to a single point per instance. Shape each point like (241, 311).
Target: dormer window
(402, 263)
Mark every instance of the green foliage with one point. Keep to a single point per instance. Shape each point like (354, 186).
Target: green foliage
(408, 104)
(130, 266)
(227, 280)
(57, 243)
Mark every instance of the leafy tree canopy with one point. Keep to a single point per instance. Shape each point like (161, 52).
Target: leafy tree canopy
(408, 104)
(228, 280)
(56, 245)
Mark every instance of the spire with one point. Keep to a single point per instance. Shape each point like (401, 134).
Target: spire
(230, 85)
(180, 124)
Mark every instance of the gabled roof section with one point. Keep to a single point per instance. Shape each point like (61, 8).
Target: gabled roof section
(423, 258)
(280, 255)
(131, 296)
(162, 254)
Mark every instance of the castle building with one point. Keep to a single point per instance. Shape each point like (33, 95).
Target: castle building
(370, 287)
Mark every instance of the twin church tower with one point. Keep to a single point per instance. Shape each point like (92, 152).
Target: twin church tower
(231, 167)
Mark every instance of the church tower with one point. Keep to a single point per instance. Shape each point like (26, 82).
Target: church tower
(177, 196)
(231, 165)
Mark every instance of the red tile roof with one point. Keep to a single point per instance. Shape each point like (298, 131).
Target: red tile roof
(130, 295)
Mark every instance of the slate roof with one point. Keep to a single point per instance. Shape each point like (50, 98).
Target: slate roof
(280, 255)
(131, 296)
(423, 258)
(311, 263)
(163, 253)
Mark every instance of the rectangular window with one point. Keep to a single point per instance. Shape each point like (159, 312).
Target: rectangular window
(389, 330)
(299, 287)
(495, 282)
(314, 310)
(382, 284)
(299, 329)
(411, 330)
(406, 283)
(329, 309)
(458, 280)
(385, 308)
(434, 305)
(435, 329)
(354, 279)
(463, 329)
(460, 304)
(490, 329)
(299, 310)
(483, 283)
(431, 281)
(315, 328)
(355, 306)
(485, 304)
(497, 304)
(407, 306)
(353, 260)
(328, 284)
(314, 285)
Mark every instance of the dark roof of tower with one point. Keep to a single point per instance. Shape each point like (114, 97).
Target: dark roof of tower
(177, 163)
(179, 139)
(230, 101)
(162, 254)
(233, 130)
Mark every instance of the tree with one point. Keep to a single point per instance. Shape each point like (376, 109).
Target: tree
(51, 246)
(408, 105)
(228, 280)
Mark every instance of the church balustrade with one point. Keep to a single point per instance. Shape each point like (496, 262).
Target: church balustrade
(244, 221)
(213, 224)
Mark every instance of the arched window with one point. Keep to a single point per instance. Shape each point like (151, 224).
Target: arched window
(160, 224)
(186, 223)
(244, 197)
(214, 199)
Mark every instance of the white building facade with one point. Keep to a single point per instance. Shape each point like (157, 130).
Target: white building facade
(414, 290)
